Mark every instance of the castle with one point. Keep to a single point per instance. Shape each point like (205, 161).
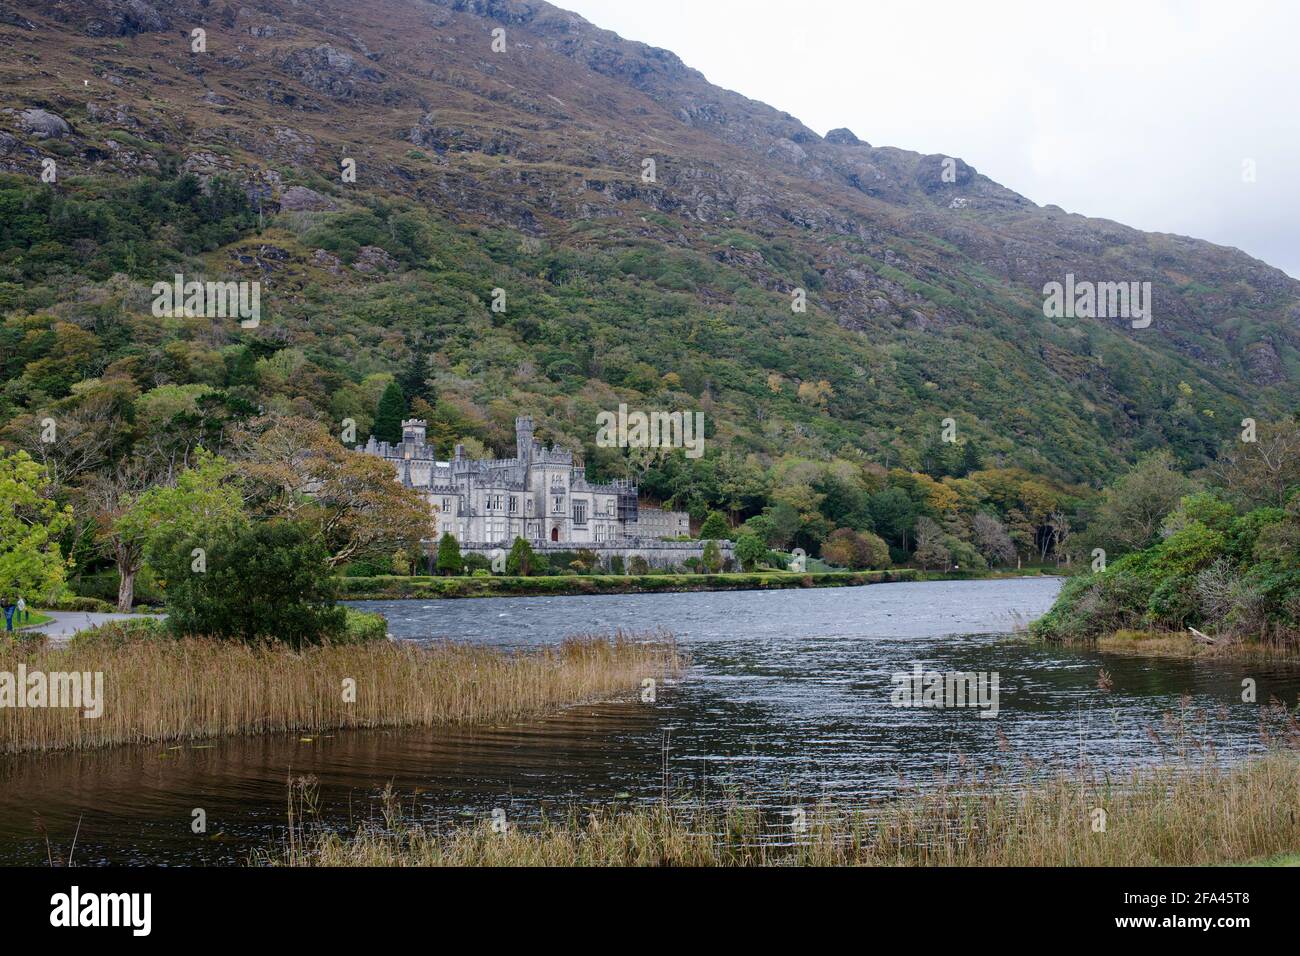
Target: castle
(539, 495)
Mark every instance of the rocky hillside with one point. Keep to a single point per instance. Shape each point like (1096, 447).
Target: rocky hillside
(518, 160)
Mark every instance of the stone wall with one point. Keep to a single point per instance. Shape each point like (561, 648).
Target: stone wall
(657, 554)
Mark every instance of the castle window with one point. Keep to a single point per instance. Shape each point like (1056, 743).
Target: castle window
(445, 507)
(514, 504)
(559, 505)
(580, 512)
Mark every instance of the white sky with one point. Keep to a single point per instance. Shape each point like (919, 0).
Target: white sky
(1141, 111)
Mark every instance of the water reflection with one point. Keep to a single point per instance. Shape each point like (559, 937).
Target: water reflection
(789, 693)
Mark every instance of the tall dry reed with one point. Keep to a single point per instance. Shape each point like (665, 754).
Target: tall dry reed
(163, 689)
(1171, 816)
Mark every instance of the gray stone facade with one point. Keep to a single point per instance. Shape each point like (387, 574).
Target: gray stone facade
(539, 495)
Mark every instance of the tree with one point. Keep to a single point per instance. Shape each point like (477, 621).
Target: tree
(449, 561)
(750, 550)
(712, 557)
(855, 549)
(1265, 472)
(762, 526)
(30, 523)
(90, 430)
(264, 581)
(123, 530)
(1133, 507)
(992, 540)
(521, 560)
(931, 551)
(413, 379)
(893, 513)
(292, 468)
(205, 499)
(715, 527)
(389, 414)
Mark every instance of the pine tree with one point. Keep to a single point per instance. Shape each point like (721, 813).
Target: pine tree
(521, 560)
(389, 414)
(449, 560)
(413, 378)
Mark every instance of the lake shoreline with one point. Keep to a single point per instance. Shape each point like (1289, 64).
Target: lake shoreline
(424, 587)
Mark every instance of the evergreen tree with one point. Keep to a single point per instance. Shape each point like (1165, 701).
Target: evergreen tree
(521, 560)
(413, 378)
(449, 560)
(389, 414)
(242, 368)
(715, 526)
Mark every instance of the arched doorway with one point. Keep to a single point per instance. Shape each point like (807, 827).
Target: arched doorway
(555, 534)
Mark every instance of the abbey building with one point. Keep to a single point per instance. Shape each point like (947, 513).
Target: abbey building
(539, 495)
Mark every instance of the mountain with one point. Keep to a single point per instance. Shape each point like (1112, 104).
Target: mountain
(525, 169)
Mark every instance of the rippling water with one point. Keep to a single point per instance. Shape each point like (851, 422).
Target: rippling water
(788, 693)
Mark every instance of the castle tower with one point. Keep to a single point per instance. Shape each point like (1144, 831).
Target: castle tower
(523, 437)
(414, 431)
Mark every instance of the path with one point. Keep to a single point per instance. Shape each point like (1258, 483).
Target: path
(67, 623)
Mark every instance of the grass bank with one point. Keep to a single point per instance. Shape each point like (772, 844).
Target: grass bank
(1181, 644)
(1169, 817)
(163, 689)
(388, 587)
(35, 619)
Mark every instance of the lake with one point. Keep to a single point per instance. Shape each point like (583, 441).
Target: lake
(788, 696)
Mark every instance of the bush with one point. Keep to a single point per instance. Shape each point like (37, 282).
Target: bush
(88, 604)
(750, 551)
(270, 580)
(362, 627)
(855, 549)
(118, 633)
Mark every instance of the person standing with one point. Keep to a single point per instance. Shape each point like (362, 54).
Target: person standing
(8, 606)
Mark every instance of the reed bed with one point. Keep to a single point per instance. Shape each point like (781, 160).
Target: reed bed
(165, 689)
(1173, 816)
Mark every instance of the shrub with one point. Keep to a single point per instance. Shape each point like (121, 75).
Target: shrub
(750, 551)
(120, 632)
(269, 580)
(362, 627)
(712, 559)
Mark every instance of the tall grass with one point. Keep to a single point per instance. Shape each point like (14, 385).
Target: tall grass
(1162, 817)
(164, 689)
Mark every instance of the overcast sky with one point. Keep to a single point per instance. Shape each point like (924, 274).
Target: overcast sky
(1140, 111)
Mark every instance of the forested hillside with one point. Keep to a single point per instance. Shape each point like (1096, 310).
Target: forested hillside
(512, 167)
